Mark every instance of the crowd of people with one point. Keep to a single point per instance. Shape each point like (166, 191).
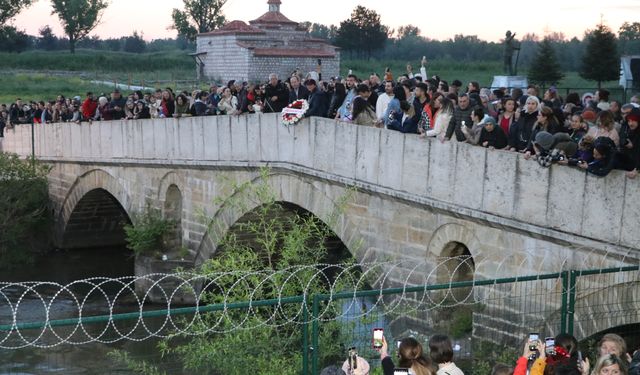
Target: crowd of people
(561, 357)
(589, 131)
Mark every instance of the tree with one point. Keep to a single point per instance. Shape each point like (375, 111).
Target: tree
(363, 32)
(14, 40)
(135, 43)
(629, 36)
(24, 214)
(10, 8)
(78, 17)
(198, 16)
(408, 31)
(601, 61)
(545, 68)
(48, 41)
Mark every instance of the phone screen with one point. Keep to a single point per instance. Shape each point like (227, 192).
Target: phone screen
(378, 334)
(533, 341)
(400, 371)
(550, 344)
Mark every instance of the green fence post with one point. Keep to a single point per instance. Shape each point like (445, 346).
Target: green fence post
(305, 339)
(315, 332)
(563, 310)
(571, 308)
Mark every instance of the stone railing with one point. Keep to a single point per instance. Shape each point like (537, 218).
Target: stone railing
(498, 187)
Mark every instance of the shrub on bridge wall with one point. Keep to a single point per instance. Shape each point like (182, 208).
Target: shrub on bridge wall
(24, 215)
(149, 235)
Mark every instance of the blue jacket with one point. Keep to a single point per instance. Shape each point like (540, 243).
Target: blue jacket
(409, 125)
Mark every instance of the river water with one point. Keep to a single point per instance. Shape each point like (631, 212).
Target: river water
(64, 267)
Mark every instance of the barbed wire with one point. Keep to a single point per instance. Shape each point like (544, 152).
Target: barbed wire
(108, 310)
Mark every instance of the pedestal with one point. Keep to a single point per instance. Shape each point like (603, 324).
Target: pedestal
(510, 82)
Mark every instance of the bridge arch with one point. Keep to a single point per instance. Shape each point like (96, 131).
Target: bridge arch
(289, 189)
(94, 192)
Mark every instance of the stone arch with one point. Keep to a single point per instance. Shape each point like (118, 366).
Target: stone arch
(96, 179)
(607, 308)
(172, 210)
(170, 178)
(314, 197)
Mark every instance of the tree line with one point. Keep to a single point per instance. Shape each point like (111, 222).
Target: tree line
(362, 35)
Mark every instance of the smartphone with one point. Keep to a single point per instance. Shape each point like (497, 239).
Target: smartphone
(353, 358)
(533, 341)
(550, 345)
(378, 334)
(400, 371)
(580, 360)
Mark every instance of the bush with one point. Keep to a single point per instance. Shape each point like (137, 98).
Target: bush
(24, 214)
(149, 236)
(97, 61)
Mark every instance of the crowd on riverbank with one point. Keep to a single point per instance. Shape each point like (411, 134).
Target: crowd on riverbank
(588, 131)
(559, 355)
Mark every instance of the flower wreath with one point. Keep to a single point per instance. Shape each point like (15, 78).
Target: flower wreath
(294, 112)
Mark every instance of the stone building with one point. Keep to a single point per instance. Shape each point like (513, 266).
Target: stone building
(269, 44)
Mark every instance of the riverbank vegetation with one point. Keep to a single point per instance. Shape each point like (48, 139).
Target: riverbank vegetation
(24, 210)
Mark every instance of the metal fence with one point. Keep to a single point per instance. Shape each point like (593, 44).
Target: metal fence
(483, 317)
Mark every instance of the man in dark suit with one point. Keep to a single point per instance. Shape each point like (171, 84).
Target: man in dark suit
(297, 90)
(318, 104)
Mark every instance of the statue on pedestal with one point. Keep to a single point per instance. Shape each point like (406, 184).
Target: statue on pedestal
(510, 45)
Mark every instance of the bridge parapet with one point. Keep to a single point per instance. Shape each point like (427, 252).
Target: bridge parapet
(498, 187)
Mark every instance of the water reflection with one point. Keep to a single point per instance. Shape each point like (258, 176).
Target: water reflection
(64, 267)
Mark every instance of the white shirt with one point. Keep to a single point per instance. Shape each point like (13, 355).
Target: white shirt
(382, 104)
(449, 369)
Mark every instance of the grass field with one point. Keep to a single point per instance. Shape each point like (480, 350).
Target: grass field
(38, 75)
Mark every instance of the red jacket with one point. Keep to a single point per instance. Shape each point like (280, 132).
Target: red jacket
(89, 108)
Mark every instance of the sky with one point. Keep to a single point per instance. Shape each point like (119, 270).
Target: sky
(439, 19)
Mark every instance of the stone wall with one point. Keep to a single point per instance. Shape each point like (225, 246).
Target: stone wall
(225, 60)
(284, 66)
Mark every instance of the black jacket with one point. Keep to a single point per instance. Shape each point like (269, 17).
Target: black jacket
(303, 93)
(520, 134)
(317, 104)
(334, 105)
(496, 138)
(632, 136)
(280, 91)
(455, 124)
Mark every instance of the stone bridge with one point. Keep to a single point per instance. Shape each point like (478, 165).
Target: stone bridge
(416, 200)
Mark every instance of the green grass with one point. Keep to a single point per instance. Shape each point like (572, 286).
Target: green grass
(97, 61)
(42, 87)
(481, 71)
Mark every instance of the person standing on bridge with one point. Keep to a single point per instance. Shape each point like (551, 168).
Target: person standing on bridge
(277, 95)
